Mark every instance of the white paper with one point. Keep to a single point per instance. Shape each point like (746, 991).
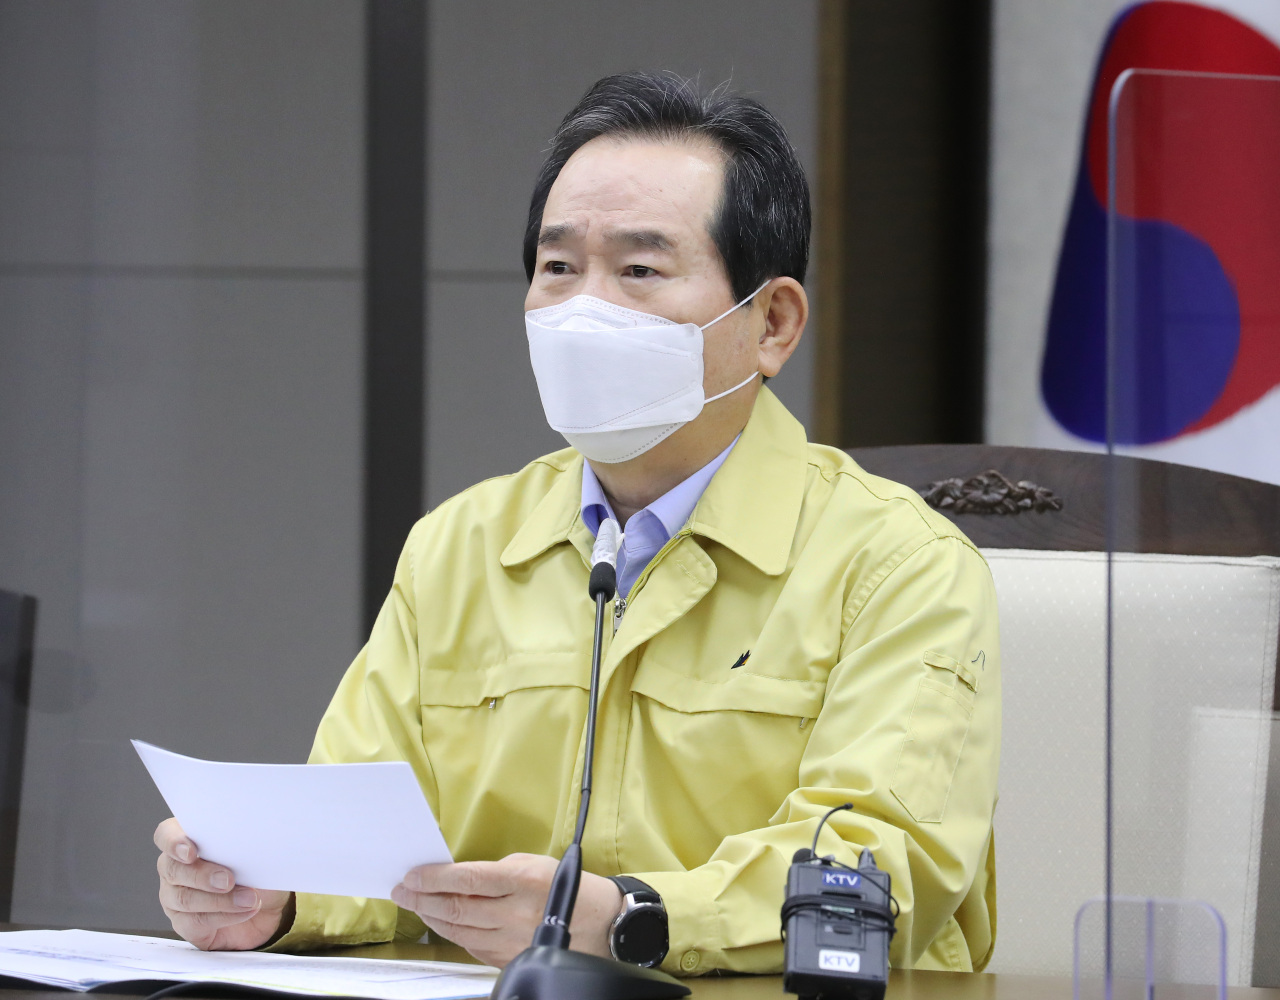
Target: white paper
(81, 960)
(340, 829)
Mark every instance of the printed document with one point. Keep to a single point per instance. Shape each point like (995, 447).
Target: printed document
(338, 829)
(81, 960)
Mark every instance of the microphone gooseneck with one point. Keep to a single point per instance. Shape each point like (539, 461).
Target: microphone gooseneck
(547, 970)
(563, 895)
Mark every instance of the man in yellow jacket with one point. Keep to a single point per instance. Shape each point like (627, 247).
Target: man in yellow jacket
(791, 633)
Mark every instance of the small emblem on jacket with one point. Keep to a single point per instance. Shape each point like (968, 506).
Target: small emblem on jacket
(741, 660)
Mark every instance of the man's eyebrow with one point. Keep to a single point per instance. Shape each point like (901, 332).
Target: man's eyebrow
(556, 234)
(643, 239)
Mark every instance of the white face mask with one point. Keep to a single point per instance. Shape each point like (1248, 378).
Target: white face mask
(615, 381)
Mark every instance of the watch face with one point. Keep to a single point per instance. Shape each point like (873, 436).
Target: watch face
(642, 936)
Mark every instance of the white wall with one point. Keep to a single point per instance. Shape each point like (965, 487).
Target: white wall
(180, 404)
(1042, 66)
(502, 75)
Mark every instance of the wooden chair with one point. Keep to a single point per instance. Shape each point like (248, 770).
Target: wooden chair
(1164, 507)
(1196, 637)
(17, 640)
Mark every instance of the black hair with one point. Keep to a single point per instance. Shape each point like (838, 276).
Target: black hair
(762, 224)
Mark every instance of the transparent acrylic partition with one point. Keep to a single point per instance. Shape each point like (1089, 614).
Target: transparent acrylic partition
(1193, 286)
(1148, 941)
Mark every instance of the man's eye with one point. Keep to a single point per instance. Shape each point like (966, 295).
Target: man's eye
(640, 271)
(557, 267)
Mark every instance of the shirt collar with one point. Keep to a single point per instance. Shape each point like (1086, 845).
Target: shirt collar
(751, 507)
(671, 510)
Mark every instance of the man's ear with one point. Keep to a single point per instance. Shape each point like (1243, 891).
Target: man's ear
(786, 309)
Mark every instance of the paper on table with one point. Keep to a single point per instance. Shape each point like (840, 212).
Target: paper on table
(82, 960)
(340, 829)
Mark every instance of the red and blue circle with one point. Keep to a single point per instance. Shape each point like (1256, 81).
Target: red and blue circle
(1197, 236)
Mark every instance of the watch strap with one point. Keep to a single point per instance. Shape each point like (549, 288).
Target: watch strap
(629, 886)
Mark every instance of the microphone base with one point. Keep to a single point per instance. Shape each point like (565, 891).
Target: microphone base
(546, 973)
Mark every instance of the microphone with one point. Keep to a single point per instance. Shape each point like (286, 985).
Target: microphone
(604, 563)
(547, 970)
(554, 929)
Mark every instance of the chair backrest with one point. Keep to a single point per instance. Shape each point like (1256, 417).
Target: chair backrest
(1197, 631)
(1163, 507)
(17, 642)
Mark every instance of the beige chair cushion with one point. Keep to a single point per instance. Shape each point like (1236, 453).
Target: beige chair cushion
(1195, 662)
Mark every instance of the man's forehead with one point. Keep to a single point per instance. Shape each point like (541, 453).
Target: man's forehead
(637, 185)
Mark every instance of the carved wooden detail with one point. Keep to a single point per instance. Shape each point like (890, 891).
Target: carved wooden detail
(989, 492)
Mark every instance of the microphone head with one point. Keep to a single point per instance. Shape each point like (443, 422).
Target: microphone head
(604, 581)
(801, 856)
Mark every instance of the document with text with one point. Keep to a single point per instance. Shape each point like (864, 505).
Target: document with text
(337, 829)
(82, 960)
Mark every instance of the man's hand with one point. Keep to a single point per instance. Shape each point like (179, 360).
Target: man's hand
(491, 908)
(203, 902)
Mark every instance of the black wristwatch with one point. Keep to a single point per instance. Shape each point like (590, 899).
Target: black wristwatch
(639, 932)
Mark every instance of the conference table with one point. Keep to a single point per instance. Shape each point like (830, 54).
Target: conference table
(904, 984)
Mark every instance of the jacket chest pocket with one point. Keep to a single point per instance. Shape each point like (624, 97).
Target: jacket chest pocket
(496, 732)
(707, 760)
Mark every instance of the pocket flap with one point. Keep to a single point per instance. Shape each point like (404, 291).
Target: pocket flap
(943, 662)
(465, 688)
(742, 691)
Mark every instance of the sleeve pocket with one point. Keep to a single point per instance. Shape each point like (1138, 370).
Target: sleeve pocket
(936, 734)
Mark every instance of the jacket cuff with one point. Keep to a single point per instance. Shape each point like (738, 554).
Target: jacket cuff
(693, 919)
(329, 921)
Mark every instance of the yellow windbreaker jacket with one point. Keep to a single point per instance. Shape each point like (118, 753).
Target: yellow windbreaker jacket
(873, 678)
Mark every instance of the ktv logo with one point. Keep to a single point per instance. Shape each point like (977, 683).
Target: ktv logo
(839, 961)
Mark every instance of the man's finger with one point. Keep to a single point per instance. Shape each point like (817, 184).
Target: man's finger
(184, 899)
(464, 937)
(196, 925)
(199, 875)
(170, 839)
(480, 912)
(488, 947)
(465, 878)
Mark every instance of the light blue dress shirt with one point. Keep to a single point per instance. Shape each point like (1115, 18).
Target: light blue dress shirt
(647, 530)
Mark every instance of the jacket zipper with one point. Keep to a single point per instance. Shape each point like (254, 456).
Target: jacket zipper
(620, 603)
